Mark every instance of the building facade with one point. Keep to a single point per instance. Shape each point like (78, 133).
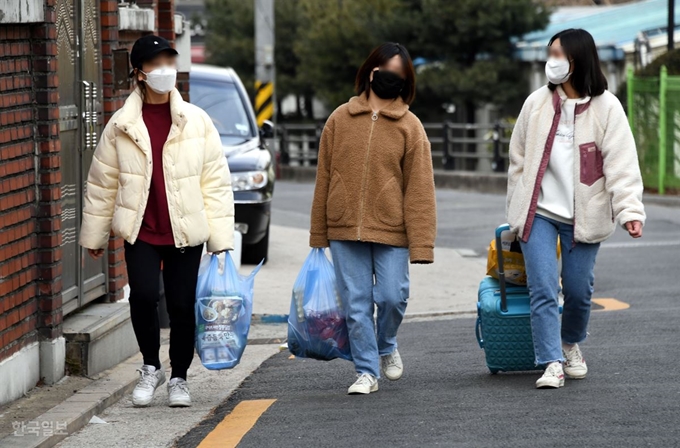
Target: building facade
(63, 74)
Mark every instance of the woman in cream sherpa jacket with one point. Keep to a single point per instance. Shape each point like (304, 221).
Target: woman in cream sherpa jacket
(374, 203)
(574, 173)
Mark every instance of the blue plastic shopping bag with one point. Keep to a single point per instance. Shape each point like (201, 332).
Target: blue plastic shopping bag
(224, 307)
(316, 324)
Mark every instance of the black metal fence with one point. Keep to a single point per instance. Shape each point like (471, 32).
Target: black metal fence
(455, 146)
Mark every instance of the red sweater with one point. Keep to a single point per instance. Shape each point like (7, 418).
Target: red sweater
(156, 227)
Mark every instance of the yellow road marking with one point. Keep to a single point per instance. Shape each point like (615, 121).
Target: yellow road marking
(611, 304)
(229, 432)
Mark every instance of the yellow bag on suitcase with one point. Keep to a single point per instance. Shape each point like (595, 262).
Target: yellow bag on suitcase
(513, 260)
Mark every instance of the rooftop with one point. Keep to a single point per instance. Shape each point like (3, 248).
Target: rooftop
(613, 27)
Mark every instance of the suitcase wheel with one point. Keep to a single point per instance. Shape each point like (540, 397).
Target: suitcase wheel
(494, 371)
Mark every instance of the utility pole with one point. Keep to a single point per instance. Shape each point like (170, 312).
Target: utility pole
(265, 70)
(671, 24)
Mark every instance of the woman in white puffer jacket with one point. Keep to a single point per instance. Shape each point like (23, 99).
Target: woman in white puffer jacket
(159, 180)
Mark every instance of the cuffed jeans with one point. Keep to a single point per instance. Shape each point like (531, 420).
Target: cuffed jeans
(578, 264)
(370, 275)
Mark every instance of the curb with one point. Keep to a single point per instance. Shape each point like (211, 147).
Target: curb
(435, 314)
(283, 318)
(77, 410)
(664, 201)
(269, 319)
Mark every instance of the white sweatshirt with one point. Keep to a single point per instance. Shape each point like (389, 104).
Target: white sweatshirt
(556, 199)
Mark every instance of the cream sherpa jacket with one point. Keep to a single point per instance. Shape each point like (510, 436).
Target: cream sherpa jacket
(608, 184)
(197, 179)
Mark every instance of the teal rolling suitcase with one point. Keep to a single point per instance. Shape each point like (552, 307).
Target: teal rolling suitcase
(503, 321)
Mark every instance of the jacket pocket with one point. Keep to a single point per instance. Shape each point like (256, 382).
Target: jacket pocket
(336, 204)
(591, 163)
(389, 204)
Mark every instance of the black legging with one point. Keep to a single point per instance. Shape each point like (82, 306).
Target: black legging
(180, 275)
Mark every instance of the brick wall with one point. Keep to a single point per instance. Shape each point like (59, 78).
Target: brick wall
(18, 238)
(30, 172)
(30, 195)
(49, 252)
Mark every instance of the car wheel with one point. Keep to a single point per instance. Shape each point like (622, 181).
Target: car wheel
(255, 253)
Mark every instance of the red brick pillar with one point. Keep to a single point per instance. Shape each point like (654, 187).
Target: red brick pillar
(46, 84)
(166, 19)
(113, 100)
(166, 28)
(183, 85)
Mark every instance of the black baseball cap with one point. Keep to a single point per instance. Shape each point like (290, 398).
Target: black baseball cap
(147, 48)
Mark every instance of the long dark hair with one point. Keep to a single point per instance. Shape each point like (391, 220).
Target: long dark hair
(579, 47)
(140, 84)
(379, 57)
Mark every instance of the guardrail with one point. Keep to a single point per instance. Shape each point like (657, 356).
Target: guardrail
(455, 146)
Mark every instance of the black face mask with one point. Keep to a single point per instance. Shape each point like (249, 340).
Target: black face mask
(387, 85)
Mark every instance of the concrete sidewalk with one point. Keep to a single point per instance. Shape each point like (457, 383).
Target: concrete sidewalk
(448, 286)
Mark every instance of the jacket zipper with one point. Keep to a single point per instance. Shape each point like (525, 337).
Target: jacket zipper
(374, 118)
(545, 160)
(175, 229)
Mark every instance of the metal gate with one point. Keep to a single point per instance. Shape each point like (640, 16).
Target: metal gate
(80, 120)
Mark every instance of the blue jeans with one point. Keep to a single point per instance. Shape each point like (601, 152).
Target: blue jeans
(578, 263)
(371, 275)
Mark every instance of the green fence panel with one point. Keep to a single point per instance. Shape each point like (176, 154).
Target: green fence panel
(672, 156)
(654, 117)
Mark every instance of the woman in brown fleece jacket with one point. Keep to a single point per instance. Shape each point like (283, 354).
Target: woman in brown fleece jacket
(374, 204)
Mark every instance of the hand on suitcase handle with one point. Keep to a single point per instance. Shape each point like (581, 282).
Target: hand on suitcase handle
(501, 270)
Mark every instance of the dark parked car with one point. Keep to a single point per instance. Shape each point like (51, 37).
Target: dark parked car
(221, 94)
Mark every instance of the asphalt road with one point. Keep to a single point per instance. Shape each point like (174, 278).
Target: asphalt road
(631, 397)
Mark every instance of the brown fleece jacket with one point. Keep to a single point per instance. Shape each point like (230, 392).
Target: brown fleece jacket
(374, 180)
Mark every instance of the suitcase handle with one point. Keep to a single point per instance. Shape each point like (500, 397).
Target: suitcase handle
(501, 269)
(478, 332)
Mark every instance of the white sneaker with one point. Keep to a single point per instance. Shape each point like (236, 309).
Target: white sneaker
(392, 366)
(575, 364)
(552, 378)
(149, 381)
(178, 392)
(365, 384)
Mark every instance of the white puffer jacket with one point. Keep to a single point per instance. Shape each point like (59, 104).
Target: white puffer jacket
(197, 179)
(607, 181)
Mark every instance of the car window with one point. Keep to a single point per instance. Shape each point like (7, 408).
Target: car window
(224, 105)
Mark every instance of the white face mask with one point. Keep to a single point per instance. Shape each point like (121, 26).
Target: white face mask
(557, 70)
(162, 80)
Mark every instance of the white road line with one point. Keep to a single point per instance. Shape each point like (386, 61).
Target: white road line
(640, 244)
